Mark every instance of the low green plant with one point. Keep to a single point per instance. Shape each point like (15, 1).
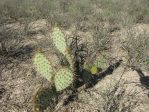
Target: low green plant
(69, 74)
(65, 76)
(62, 77)
(101, 60)
(59, 79)
(98, 63)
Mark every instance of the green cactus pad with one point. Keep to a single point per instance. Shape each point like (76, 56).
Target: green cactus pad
(94, 69)
(101, 61)
(42, 65)
(59, 40)
(63, 78)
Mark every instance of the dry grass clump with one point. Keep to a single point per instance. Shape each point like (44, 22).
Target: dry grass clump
(124, 12)
(138, 50)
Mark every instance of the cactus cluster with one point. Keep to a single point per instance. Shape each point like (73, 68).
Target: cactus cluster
(75, 73)
(63, 77)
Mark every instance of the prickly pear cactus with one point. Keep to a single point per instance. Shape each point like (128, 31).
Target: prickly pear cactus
(101, 61)
(42, 65)
(60, 43)
(97, 64)
(59, 40)
(63, 78)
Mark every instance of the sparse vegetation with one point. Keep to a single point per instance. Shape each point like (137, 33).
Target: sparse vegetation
(84, 48)
(126, 12)
(66, 12)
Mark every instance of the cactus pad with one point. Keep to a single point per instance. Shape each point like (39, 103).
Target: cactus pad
(101, 61)
(63, 78)
(42, 65)
(59, 40)
(94, 69)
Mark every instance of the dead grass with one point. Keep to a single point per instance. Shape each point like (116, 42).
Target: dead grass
(125, 12)
(137, 48)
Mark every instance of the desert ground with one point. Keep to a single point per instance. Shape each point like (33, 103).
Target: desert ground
(118, 28)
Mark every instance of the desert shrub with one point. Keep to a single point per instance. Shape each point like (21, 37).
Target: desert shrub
(137, 48)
